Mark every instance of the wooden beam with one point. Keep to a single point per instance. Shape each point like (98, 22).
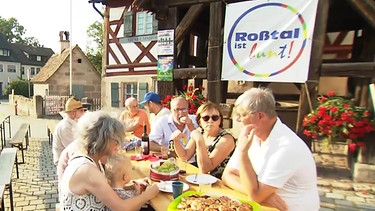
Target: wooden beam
(352, 69)
(366, 9)
(186, 23)
(188, 73)
(309, 89)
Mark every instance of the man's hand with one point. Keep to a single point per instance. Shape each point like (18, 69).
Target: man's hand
(177, 135)
(245, 138)
(275, 201)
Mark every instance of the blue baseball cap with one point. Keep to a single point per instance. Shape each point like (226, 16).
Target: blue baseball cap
(151, 96)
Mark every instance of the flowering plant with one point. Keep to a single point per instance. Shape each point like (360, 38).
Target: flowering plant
(194, 97)
(337, 118)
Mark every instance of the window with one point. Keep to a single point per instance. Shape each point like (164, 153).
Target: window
(4, 52)
(22, 70)
(32, 71)
(145, 24)
(37, 70)
(12, 69)
(129, 90)
(38, 58)
(1, 68)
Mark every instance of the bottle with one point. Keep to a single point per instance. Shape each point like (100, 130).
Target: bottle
(145, 141)
(171, 150)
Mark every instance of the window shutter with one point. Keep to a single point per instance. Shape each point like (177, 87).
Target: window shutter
(114, 95)
(128, 24)
(142, 90)
(154, 25)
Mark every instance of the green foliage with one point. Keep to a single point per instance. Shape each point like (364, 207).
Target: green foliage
(95, 45)
(20, 88)
(14, 32)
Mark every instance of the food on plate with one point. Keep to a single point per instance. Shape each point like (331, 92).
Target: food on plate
(166, 167)
(211, 203)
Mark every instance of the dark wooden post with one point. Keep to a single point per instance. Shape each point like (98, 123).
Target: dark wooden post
(215, 48)
(167, 87)
(309, 89)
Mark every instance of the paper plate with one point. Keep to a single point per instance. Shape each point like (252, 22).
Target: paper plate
(201, 178)
(173, 205)
(166, 186)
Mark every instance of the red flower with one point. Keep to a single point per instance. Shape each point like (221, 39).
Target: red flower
(352, 147)
(336, 117)
(194, 97)
(330, 93)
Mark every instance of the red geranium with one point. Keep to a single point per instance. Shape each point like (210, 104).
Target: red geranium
(194, 97)
(338, 118)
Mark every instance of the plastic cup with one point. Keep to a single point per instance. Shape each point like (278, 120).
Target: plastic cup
(164, 151)
(177, 188)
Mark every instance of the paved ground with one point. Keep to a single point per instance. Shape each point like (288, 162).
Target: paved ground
(36, 189)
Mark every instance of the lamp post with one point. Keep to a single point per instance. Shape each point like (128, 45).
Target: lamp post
(28, 81)
(70, 50)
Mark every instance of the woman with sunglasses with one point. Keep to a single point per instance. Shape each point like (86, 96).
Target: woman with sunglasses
(210, 143)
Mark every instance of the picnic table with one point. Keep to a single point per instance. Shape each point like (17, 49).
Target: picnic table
(162, 200)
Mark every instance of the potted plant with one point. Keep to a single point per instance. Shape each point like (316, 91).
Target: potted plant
(193, 95)
(337, 119)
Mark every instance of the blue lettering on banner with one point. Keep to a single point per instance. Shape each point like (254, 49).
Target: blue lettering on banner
(266, 35)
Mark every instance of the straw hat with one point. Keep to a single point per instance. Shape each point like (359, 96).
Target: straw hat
(72, 104)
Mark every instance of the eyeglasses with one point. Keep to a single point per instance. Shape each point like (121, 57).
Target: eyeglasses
(213, 117)
(180, 109)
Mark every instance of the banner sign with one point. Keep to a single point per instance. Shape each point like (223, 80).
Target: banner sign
(268, 40)
(165, 68)
(166, 42)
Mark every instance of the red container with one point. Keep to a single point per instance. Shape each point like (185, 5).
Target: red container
(157, 176)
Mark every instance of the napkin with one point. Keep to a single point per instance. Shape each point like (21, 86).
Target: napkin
(144, 157)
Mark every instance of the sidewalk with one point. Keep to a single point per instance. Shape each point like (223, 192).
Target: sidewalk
(36, 189)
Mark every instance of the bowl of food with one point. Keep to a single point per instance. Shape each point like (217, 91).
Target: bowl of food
(164, 170)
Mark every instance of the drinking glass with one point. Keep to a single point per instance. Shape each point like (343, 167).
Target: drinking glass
(138, 151)
(164, 152)
(204, 187)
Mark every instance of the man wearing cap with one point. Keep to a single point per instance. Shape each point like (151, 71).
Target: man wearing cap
(64, 131)
(153, 105)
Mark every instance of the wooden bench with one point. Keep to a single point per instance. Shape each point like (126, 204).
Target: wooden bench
(8, 158)
(2, 188)
(17, 140)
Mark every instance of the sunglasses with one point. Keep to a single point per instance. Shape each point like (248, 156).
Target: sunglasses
(213, 117)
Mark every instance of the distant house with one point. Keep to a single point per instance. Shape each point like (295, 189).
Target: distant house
(16, 59)
(54, 77)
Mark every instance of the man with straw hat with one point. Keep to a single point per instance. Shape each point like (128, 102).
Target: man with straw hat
(64, 131)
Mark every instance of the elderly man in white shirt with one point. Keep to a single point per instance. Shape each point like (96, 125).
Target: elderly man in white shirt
(176, 125)
(64, 131)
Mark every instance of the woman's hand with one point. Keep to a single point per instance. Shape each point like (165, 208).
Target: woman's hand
(196, 135)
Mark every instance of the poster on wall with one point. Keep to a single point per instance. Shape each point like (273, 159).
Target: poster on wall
(268, 40)
(166, 42)
(165, 68)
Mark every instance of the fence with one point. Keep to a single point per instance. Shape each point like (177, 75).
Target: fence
(53, 104)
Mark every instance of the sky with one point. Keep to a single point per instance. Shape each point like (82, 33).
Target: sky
(44, 19)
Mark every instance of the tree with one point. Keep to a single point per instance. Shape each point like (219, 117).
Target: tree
(14, 32)
(20, 88)
(95, 45)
